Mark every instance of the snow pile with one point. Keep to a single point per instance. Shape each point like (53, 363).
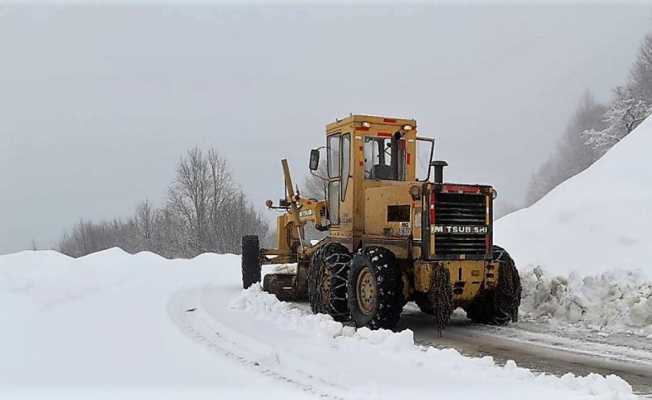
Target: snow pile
(367, 356)
(597, 221)
(608, 302)
(265, 306)
(97, 327)
(591, 236)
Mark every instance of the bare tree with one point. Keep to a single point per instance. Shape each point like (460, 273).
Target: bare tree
(189, 196)
(221, 193)
(145, 220)
(205, 211)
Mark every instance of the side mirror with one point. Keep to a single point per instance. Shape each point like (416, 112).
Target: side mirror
(314, 159)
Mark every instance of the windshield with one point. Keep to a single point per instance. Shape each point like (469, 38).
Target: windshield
(384, 158)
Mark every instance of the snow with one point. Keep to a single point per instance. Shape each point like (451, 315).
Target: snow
(584, 249)
(609, 302)
(98, 326)
(597, 221)
(113, 325)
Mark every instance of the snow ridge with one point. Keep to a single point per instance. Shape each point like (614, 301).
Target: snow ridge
(414, 360)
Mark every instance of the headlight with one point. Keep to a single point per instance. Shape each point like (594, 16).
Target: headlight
(407, 127)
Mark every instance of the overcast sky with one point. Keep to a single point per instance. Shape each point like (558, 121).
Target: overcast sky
(98, 103)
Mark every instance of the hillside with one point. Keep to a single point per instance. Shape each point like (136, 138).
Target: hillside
(597, 221)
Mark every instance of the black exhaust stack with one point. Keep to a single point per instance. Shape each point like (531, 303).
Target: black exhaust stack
(439, 170)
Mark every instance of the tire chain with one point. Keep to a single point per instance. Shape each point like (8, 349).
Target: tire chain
(440, 296)
(389, 287)
(508, 296)
(337, 262)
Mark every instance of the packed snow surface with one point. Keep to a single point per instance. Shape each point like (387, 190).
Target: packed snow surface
(113, 325)
(597, 221)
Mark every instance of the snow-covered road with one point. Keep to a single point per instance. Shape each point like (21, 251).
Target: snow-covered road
(113, 325)
(322, 357)
(542, 348)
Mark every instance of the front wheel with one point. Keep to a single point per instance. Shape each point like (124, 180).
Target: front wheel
(375, 289)
(327, 277)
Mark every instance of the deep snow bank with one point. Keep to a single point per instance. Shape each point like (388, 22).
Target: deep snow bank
(385, 364)
(585, 250)
(97, 327)
(597, 221)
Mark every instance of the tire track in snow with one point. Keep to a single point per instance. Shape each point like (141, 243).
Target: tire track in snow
(185, 310)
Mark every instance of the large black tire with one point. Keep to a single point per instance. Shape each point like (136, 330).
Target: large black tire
(250, 261)
(327, 277)
(499, 306)
(375, 290)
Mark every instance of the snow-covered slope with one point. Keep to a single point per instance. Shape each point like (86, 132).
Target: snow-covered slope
(585, 249)
(600, 220)
(112, 325)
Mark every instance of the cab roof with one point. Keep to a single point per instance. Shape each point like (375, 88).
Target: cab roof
(371, 119)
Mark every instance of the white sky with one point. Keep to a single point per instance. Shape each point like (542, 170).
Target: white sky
(98, 103)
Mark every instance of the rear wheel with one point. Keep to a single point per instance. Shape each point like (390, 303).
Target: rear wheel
(499, 306)
(250, 261)
(375, 290)
(327, 277)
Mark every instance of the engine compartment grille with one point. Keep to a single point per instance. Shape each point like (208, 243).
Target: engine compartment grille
(457, 213)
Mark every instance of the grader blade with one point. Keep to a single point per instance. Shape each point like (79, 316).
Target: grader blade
(282, 285)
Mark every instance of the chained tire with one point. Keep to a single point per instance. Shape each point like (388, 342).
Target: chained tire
(250, 261)
(499, 306)
(327, 278)
(440, 297)
(375, 290)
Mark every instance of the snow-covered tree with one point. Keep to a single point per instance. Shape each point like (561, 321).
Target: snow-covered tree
(625, 113)
(640, 83)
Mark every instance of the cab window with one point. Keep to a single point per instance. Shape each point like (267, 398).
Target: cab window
(334, 147)
(346, 163)
(384, 158)
(339, 169)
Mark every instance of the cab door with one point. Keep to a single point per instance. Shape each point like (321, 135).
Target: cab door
(339, 178)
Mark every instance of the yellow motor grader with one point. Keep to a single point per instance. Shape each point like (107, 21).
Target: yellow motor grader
(392, 238)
